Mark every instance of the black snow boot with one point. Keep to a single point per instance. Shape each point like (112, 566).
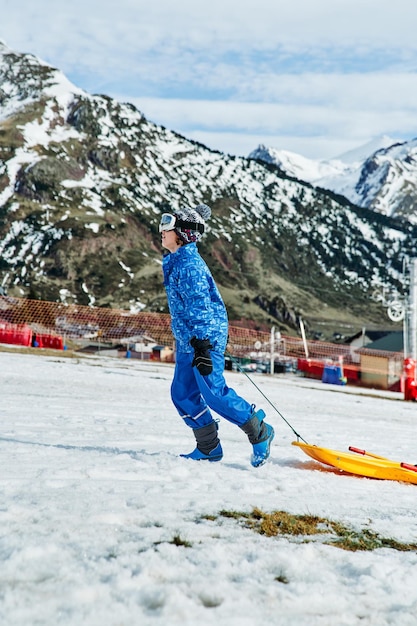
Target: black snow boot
(208, 444)
(260, 435)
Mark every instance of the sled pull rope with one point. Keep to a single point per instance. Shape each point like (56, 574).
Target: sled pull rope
(242, 371)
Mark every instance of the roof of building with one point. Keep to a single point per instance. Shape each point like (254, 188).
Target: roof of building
(391, 343)
(372, 335)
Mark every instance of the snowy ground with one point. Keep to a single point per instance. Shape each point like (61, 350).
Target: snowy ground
(92, 494)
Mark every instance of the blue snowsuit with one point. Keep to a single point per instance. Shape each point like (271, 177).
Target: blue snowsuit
(197, 310)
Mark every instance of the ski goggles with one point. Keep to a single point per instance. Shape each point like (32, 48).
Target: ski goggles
(169, 222)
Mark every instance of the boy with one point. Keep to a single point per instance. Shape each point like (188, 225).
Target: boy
(200, 327)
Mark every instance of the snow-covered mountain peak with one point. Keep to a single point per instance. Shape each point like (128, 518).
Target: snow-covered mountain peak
(25, 78)
(380, 175)
(360, 154)
(296, 165)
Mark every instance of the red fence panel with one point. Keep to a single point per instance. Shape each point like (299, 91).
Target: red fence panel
(15, 334)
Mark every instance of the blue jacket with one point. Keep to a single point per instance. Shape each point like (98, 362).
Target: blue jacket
(194, 301)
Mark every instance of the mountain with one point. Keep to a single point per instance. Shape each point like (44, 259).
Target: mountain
(300, 167)
(381, 175)
(84, 180)
(361, 153)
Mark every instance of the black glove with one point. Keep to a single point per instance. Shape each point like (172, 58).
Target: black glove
(202, 359)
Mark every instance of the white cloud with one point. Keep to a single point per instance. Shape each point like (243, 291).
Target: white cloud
(230, 23)
(241, 144)
(329, 73)
(342, 118)
(130, 28)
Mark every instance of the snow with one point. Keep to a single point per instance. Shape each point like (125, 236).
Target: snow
(93, 226)
(302, 168)
(93, 493)
(361, 153)
(330, 173)
(393, 172)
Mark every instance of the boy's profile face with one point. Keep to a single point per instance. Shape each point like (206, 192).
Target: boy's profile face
(169, 240)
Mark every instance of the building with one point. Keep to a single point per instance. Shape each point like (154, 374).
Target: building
(382, 362)
(364, 338)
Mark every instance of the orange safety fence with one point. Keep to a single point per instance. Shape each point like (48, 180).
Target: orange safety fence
(146, 335)
(36, 320)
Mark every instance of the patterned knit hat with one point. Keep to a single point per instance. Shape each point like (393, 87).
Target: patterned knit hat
(198, 214)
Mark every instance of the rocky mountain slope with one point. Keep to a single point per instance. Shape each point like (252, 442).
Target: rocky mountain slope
(381, 177)
(84, 179)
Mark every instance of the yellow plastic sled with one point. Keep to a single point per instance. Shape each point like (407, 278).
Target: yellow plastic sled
(361, 463)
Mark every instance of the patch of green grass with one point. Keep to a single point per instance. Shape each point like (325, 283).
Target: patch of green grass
(366, 539)
(176, 540)
(235, 514)
(209, 518)
(281, 523)
(281, 578)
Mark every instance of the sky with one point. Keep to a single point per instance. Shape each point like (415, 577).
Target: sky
(316, 78)
(94, 498)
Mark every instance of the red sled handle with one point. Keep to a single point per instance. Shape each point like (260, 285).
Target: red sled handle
(407, 466)
(365, 453)
(413, 468)
(357, 450)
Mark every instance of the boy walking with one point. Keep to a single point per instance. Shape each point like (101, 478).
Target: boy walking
(200, 327)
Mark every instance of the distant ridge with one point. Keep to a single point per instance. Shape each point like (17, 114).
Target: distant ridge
(363, 152)
(381, 175)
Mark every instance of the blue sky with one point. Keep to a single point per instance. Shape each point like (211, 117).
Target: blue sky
(317, 77)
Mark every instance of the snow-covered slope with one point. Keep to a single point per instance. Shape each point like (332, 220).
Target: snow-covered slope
(103, 524)
(388, 181)
(381, 175)
(363, 152)
(298, 166)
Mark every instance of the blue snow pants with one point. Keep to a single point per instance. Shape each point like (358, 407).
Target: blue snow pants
(194, 395)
